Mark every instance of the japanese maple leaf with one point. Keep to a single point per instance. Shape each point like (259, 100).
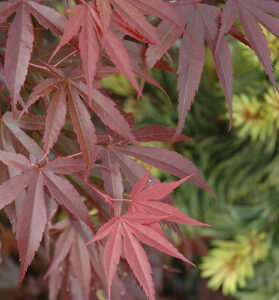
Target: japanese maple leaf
(70, 251)
(141, 196)
(88, 19)
(115, 154)
(72, 91)
(32, 216)
(95, 20)
(251, 11)
(202, 23)
(21, 37)
(136, 225)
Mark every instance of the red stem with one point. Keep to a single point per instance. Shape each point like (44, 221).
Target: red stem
(66, 57)
(38, 67)
(99, 192)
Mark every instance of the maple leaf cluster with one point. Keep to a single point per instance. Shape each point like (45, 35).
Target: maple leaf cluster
(55, 110)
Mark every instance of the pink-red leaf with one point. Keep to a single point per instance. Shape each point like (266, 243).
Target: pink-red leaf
(83, 127)
(152, 238)
(159, 133)
(48, 17)
(105, 108)
(12, 188)
(166, 160)
(80, 260)
(190, 66)
(112, 252)
(55, 119)
(18, 53)
(138, 262)
(41, 89)
(31, 222)
(89, 51)
(15, 160)
(160, 190)
(65, 194)
(63, 247)
(65, 165)
(139, 186)
(120, 57)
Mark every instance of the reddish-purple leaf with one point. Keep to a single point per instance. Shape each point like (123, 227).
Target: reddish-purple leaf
(80, 260)
(146, 234)
(228, 17)
(160, 208)
(48, 17)
(166, 160)
(7, 8)
(160, 9)
(16, 161)
(258, 42)
(105, 11)
(139, 186)
(83, 127)
(41, 89)
(71, 28)
(120, 57)
(18, 53)
(12, 188)
(112, 252)
(138, 262)
(65, 165)
(159, 133)
(106, 111)
(159, 191)
(32, 122)
(112, 177)
(31, 222)
(104, 230)
(249, 12)
(65, 194)
(190, 66)
(137, 21)
(89, 50)
(55, 119)
(20, 139)
(63, 247)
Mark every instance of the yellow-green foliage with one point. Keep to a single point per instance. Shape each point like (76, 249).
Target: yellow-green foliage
(251, 117)
(230, 263)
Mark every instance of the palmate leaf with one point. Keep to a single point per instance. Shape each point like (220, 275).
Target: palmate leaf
(73, 259)
(87, 16)
(117, 152)
(202, 22)
(138, 224)
(70, 249)
(83, 127)
(20, 39)
(250, 12)
(32, 216)
(55, 119)
(96, 21)
(73, 90)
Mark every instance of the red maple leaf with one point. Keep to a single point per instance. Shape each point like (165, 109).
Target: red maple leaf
(67, 88)
(33, 216)
(141, 223)
(21, 37)
(251, 11)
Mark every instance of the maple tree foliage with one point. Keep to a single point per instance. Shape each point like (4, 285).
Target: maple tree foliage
(66, 149)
